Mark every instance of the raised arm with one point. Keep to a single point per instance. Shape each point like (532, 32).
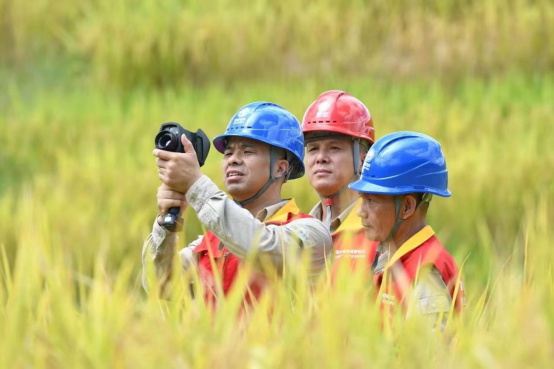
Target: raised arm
(241, 232)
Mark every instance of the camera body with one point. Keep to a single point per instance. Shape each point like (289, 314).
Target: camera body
(169, 139)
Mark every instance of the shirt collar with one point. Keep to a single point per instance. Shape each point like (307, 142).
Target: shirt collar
(278, 212)
(347, 220)
(411, 244)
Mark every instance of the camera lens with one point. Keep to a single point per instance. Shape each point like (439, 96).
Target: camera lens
(166, 141)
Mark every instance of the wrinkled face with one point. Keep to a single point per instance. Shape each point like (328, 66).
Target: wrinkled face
(378, 215)
(329, 164)
(245, 167)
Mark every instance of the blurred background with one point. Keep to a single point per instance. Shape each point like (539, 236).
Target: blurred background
(86, 85)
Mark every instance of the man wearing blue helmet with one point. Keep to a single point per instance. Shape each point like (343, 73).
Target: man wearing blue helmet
(262, 148)
(401, 173)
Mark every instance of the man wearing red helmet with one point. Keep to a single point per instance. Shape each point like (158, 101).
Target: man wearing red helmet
(338, 132)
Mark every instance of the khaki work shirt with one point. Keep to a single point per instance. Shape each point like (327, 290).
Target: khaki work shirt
(432, 297)
(317, 212)
(241, 232)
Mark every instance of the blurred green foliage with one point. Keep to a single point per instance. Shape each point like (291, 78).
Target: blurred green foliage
(128, 43)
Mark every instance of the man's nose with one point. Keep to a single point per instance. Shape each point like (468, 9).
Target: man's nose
(361, 212)
(322, 157)
(234, 159)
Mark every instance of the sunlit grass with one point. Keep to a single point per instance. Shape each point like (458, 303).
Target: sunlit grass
(86, 85)
(77, 198)
(53, 315)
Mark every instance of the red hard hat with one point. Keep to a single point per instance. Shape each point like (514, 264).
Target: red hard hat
(338, 111)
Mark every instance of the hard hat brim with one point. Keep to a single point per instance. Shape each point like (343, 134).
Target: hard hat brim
(219, 144)
(365, 187)
(332, 128)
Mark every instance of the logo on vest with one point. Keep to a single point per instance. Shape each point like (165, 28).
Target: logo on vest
(388, 299)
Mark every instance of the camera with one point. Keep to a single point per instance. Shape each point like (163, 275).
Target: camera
(169, 139)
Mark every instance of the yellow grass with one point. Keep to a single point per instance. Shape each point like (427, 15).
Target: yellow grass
(86, 85)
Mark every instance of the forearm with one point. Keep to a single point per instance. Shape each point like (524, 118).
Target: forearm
(242, 233)
(159, 249)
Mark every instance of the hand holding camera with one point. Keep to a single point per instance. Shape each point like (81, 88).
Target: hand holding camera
(167, 199)
(180, 153)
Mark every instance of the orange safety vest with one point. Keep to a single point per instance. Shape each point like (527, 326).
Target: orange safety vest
(350, 244)
(422, 249)
(228, 264)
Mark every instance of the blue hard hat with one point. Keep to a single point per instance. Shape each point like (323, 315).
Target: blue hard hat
(404, 162)
(269, 123)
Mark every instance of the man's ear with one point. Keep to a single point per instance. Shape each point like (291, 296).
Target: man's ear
(409, 206)
(362, 157)
(363, 154)
(281, 168)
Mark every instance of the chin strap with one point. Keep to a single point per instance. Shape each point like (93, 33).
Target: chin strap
(397, 205)
(356, 155)
(427, 197)
(329, 199)
(271, 179)
(329, 203)
(398, 221)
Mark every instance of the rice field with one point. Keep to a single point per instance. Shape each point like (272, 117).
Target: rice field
(86, 86)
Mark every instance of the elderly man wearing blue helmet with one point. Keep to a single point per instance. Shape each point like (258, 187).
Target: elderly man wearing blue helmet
(262, 148)
(401, 173)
